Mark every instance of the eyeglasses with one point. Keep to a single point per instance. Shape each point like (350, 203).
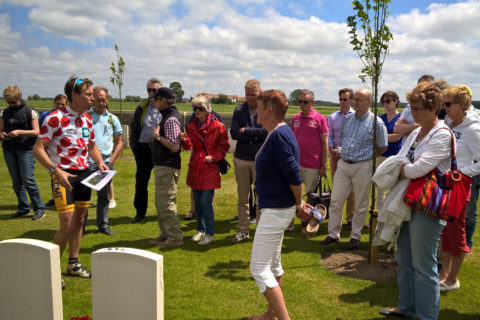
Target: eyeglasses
(387, 101)
(303, 101)
(343, 100)
(77, 83)
(447, 104)
(199, 109)
(151, 90)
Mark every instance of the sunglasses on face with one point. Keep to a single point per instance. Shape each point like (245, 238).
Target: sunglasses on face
(303, 101)
(77, 83)
(447, 104)
(151, 90)
(343, 100)
(387, 101)
(199, 109)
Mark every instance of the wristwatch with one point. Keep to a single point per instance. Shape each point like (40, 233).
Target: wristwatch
(52, 169)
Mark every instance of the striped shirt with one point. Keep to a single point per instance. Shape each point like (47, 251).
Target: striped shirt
(357, 135)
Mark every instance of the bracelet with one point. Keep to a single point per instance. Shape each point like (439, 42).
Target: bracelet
(52, 169)
(300, 206)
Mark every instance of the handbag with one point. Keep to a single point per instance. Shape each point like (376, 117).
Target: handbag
(440, 195)
(321, 195)
(223, 165)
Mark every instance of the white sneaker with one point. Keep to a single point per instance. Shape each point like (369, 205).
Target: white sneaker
(198, 236)
(239, 237)
(206, 240)
(112, 204)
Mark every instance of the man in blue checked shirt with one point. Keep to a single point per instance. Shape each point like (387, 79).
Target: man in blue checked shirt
(354, 170)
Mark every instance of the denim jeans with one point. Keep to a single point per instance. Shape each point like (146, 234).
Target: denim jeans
(102, 200)
(418, 283)
(21, 164)
(204, 210)
(471, 218)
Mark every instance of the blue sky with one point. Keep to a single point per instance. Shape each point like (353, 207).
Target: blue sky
(215, 46)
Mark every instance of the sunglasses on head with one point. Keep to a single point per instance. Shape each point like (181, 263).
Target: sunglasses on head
(447, 104)
(199, 109)
(151, 90)
(77, 83)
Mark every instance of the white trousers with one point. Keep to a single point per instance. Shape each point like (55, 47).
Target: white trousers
(266, 264)
(348, 177)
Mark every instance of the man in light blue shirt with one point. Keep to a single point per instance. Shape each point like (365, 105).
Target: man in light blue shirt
(354, 171)
(108, 136)
(335, 123)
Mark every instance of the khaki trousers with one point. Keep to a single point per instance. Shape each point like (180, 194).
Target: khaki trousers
(166, 181)
(245, 176)
(356, 177)
(351, 197)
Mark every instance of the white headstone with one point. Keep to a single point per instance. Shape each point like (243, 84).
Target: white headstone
(127, 284)
(30, 285)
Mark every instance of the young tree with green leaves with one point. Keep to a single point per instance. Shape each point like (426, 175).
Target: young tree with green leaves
(118, 70)
(370, 37)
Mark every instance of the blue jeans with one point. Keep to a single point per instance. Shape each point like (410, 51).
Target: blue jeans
(204, 210)
(21, 164)
(471, 218)
(418, 284)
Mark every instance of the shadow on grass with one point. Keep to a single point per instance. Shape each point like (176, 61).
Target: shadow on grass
(453, 314)
(39, 234)
(229, 270)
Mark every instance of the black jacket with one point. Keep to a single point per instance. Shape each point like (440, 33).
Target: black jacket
(137, 123)
(161, 155)
(251, 139)
(18, 118)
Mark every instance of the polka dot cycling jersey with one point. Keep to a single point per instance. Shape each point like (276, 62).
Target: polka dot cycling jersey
(69, 135)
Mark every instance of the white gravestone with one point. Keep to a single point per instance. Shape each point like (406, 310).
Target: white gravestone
(30, 280)
(127, 284)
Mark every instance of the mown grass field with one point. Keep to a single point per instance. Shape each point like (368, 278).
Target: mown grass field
(182, 107)
(214, 282)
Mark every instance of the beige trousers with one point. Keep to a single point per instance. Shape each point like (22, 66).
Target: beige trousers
(245, 176)
(354, 177)
(351, 197)
(166, 181)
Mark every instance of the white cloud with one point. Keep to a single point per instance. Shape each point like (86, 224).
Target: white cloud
(214, 48)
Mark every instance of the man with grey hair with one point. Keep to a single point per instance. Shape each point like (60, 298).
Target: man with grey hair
(311, 130)
(145, 119)
(354, 170)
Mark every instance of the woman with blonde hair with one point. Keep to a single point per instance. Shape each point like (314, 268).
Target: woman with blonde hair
(208, 139)
(19, 130)
(465, 125)
(427, 147)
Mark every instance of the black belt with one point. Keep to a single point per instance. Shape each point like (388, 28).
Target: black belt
(146, 144)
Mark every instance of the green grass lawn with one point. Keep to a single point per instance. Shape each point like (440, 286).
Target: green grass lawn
(182, 107)
(214, 282)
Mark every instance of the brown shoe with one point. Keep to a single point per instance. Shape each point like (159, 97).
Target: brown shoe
(156, 241)
(170, 243)
(328, 240)
(353, 244)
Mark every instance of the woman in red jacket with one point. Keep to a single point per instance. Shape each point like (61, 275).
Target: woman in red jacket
(208, 139)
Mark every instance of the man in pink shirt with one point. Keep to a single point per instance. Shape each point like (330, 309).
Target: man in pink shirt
(311, 130)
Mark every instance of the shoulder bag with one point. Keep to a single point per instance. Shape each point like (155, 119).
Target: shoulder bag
(440, 195)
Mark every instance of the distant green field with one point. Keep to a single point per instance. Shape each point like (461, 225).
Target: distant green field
(182, 107)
